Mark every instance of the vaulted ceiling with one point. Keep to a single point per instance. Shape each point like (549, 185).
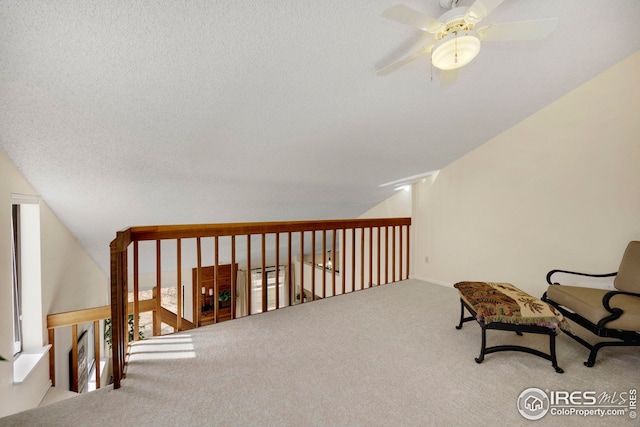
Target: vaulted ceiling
(125, 112)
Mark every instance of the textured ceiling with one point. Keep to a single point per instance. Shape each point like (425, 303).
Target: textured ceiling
(125, 112)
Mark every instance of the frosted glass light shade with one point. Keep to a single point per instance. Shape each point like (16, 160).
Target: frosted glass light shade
(465, 43)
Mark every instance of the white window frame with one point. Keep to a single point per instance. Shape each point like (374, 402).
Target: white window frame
(29, 271)
(15, 282)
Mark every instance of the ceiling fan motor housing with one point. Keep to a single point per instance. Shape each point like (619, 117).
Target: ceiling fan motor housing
(454, 20)
(457, 44)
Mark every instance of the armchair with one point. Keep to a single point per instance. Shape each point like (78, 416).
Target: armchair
(606, 313)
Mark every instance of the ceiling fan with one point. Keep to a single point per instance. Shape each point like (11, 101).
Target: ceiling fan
(453, 40)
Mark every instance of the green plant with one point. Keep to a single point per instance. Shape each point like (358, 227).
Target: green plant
(107, 330)
(224, 296)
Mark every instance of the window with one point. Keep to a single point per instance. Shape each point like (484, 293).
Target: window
(28, 325)
(256, 289)
(28, 321)
(17, 288)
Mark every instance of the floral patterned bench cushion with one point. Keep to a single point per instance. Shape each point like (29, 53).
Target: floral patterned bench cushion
(503, 302)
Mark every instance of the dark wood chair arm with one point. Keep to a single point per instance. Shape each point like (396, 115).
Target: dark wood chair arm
(552, 272)
(615, 312)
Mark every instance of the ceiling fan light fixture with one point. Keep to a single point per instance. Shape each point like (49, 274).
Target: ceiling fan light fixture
(455, 50)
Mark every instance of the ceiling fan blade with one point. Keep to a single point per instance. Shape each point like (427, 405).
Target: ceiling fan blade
(524, 30)
(404, 61)
(447, 77)
(480, 9)
(406, 15)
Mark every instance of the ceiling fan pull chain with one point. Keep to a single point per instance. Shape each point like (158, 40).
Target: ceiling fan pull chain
(456, 47)
(431, 64)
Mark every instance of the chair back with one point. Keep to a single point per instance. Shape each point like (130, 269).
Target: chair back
(628, 277)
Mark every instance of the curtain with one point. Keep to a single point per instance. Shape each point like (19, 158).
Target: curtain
(241, 293)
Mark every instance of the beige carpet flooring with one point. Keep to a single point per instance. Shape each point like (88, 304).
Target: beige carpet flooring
(389, 355)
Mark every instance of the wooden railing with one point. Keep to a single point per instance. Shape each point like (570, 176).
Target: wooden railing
(79, 317)
(373, 252)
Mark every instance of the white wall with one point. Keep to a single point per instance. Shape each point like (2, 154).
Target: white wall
(397, 206)
(71, 280)
(561, 189)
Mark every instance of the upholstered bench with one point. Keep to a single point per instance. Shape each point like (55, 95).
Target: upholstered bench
(504, 307)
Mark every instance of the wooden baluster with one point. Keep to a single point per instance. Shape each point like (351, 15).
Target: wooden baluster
(125, 306)
(393, 254)
(277, 248)
(408, 257)
(289, 273)
(343, 261)
(378, 254)
(136, 290)
(249, 275)
(362, 258)
(386, 255)
(157, 327)
(353, 259)
(96, 350)
(324, 263)
(400, 263)
(216, 292)
(197, 304)
(178, 286)
(301, 254)
(265, 308)
(333, 267)
(74, 357)
(234, 276)
(313, 265)
(370, 257)
(52, 356)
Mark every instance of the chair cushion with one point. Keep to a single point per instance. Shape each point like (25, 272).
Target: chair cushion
(628, 277)
(587, 302)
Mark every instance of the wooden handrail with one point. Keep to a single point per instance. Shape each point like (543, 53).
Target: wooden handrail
(338, 227)
(87, 315)
(163, 232)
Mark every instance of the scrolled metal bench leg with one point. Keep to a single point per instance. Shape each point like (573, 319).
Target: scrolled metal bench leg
(480, 358)
(462, 318)
(461, 315)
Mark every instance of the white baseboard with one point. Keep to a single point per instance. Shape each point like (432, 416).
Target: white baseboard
(434, 281)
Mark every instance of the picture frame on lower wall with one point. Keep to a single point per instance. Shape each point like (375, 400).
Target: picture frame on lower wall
(82, 385)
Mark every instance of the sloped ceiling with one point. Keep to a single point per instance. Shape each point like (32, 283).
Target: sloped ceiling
(126, 113)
